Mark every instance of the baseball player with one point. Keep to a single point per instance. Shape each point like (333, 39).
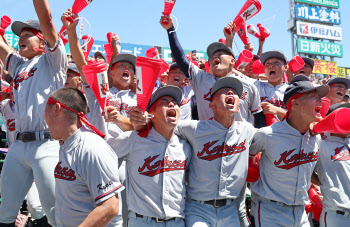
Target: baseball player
(221, 62)
(176, 77)
(87, 180)
(156, 161)
(306, 70)
(289, 154)
(332, 169)
(73, 77)
(338, 87)
(33, 154)
(272, 91)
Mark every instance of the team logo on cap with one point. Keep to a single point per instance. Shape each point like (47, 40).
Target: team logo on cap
(340, 154)
(290, 160)
(154, 166)
(211, 152)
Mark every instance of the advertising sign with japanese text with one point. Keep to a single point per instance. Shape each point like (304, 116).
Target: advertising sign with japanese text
(319, 31)
(327, 3)
(135, 49)
(317, 14)
(343, 72)
(320, 48)
(325, 67)
(166, 54)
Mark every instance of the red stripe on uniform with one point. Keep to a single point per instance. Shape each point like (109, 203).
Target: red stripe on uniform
(325, 223)
(256, 110)
(99, 197)
(59, 41)
(259, 214)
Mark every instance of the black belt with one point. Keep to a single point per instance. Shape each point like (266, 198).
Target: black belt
(341, 212)
(217, 202)
(31, 136)
(156, 219)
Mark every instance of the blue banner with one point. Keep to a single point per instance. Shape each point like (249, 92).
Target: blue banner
(135, 49)
(317, 14)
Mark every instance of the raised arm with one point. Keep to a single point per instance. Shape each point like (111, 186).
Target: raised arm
(229, 37)
(47, 26)
(4, 49)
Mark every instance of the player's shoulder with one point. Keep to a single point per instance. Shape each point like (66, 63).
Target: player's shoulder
(187, 124)
(244, 125)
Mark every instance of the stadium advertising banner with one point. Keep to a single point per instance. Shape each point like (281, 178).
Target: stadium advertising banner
(317, 14)
(320, 48)
(166, 54)
(319, 31)
(343, 72)
(325, 67)
(327, 3)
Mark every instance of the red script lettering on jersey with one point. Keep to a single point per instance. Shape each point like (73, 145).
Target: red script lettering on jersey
(11, 125)
(155, 167)
(340, 154)
(23, 76)
(291, 161)
(220, 150)
(64, 173)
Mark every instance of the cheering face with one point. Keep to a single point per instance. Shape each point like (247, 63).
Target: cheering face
(225, 100)
(73, 80)
(310, 106)
(221, 63)
(176, 77)
(166, 111)
(248, 70)
(27, 41)
(123, 74)
(306, 70)
(274, 70)
(336, 93)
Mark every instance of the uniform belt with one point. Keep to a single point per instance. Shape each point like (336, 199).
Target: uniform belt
(32, 136)
(216, 202)
(156, 219)
(342, 212)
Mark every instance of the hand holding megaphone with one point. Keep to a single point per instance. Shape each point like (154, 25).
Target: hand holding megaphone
(114, 40)
(230, 30)
(253, 31)
(5, 22)
(264, 32)
(68, 20)
(168, 22)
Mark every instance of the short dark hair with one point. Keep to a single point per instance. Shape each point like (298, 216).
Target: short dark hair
(73, 98)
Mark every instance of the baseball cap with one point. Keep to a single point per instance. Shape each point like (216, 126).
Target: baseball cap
(169, 90)
(299, 87)
(125, 57)
(337, 106)
(194, 52)
(74, 68)
(298, 78)
(228, 82)
(339, 80)
(173, 66)
(17, 26)
(99, 54)
(212, 48)
(309, 61)
(272, 54)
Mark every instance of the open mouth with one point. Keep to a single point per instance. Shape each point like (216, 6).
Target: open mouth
(230, 101)
(126, 75)
(340, 93)
(171, 113)
(22, 46)
(318, 110)
(302, 72)
(272, 73)
(216, 62)
(176, 79)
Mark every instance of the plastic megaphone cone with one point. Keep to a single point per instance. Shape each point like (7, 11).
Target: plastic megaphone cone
(207, 67)
(296, 63)
(243, 60)
(110, 36)
(5, 22)
(336, 122)
(86, 44)
(147, 72)
(168, 8)
(250, 9)
(62, 34)
(316, 200)
(253, 168)
(152, 53)
(242, 32)
(326, 103)
(309, 206)
(258, 67)
(222, 40)
(79, 5)
(96, 74)
(264, 32)
(270, 119)
(109, 52)
(253, 31)
(165, 67)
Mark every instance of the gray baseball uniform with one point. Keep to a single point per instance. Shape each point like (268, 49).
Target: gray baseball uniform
(186, 103)
(34, 80)
(86, 175)
(7, 109)
(287, 162)
(333, 170)
(220, 162)
(202, 82)
(155, 173)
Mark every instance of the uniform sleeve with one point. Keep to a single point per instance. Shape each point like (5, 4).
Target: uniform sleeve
(12, 61)
(57, 59)
(100, 172)
(123, 144)
(255, 104)
(185, 129)
(259, 142)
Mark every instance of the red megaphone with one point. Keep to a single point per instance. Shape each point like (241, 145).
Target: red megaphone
(316, 200)
(207, 68)
(243, 60)
(326, 103)
(336, 122)
(270, 119)
(253, 31)
(109, 52)
(242, 32)
(152, 53)
(250, 8)
(296, 63)
(86, 43)
(253, 168)
(110, 36)
(5, 22)
(258, 67)
(168, 7)
(264, 32)
(222, 40)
